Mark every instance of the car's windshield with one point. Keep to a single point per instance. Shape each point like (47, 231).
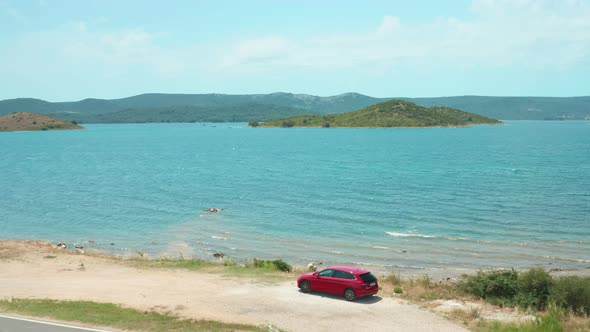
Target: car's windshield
(368, 277)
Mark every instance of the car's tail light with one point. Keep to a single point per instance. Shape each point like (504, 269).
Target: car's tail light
(369, 285)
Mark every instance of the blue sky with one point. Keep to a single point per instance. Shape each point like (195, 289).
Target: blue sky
(70, 50)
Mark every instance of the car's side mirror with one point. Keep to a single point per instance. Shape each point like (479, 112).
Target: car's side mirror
(316, 274)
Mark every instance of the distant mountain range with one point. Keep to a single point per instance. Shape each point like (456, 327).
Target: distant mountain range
(157, 107)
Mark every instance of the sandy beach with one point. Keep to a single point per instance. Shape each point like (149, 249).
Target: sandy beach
(35, 270)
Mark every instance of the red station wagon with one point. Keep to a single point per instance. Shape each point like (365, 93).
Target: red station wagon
(350, 282)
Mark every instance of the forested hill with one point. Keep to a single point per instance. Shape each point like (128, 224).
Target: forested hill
(188, 113)
(515, 108)
(393, 113)
(156, 107)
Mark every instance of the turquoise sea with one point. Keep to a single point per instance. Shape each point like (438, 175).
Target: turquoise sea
(516, 195)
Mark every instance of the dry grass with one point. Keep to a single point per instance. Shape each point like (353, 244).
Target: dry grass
(421, 290)
(6, 254)
(16, 250)
(576, 323)
(424, 291)
(469, 318)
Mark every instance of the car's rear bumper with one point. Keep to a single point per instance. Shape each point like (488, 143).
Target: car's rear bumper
(367, 292)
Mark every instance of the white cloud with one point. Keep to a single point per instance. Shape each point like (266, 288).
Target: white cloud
(499, 33)
(529, 33)
(389, 25)
(79, 46)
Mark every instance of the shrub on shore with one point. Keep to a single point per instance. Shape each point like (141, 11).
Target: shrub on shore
(497, 287)
(533, 289)
(229, 262)
(277, 264)
(572, 293)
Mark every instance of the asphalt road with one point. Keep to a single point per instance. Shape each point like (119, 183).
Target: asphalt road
(13, 324)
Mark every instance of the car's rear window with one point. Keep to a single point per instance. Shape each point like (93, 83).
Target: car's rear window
(368, 277)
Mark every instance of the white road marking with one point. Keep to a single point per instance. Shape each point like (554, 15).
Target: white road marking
(54, 324)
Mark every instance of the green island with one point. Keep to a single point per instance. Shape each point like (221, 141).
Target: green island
(24, 121)
(390, 114)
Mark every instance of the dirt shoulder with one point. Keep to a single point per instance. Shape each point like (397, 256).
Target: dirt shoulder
(36, 270)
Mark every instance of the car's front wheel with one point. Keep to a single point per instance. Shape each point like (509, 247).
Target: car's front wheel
(305, 286)
(349, 295)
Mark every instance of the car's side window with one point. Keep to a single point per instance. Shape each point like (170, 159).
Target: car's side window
(343, 275)
(349, 276)
(327, 273)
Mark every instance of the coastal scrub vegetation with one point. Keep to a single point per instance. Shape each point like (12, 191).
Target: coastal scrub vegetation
(560, 304)
(393, 113)
(250, 268)
(112, 315)
(534, 289)
(277, 264)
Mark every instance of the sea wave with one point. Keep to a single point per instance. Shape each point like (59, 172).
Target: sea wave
(410, 235)
(391, 265)
(423, 236)
(566, 259)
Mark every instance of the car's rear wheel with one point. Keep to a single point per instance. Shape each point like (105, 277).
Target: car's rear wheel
(305, 286)
(349, 294)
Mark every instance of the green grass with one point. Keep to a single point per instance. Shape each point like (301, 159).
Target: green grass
(111, 315)
(256, 269)
(168, 263)
(198, 264)
(261, 270)
(548, 324)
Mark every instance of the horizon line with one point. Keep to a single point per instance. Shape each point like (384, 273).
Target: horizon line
(291, 93)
